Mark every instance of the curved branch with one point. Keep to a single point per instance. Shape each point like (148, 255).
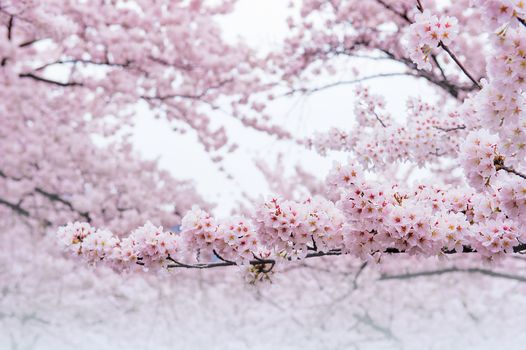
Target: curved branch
(56, 198)
(255, 262)
(15, 207)
(48, 81)
(261, 262)
(461, 66)
(455, 128)
(486, 272)
(510, 170)
(349, 82)
(51, 196)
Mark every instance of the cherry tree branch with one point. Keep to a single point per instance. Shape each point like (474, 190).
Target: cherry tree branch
(263, 262)
(406, 18)
(15, 207)
(379, 120)
(56, 198)
(445, 84)
(455, 128)
(48, 81)
(402, 15)
(419, 6)
(254, 262)
(51, 196)
(441, 44)
(510, 170)
(485, 272)
(10, 28)
(87, 62)
(461, 66)
(30, 42)
(188, 96)
(349, 82)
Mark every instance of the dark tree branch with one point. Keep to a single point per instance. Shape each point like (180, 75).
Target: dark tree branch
(56, 198)
(262, 262)
(510, 170)
(51, 196)
(15, 207)
(10, 28)
(28, 43)
(457, 61)
(9, 36)
(48, 81)
(419, 6)
(442, 73)
(255, 262)
(221, 258)
(379, 119)
(450, 88)
(87, 62)
(187, 96)
(456, 128)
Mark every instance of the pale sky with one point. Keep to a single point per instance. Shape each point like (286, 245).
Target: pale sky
(261, 23)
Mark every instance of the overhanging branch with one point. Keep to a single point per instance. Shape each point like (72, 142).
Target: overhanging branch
(271, 262)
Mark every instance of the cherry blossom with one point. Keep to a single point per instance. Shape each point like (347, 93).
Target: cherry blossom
(427, 33)
(434, 183)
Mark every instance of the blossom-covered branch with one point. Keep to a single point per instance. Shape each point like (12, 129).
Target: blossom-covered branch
(367, 220)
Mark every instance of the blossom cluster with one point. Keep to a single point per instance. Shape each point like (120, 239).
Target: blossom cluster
(364, 218)
(293, 229)
(232, 239)
(501, 102)
(499, 13)
(147, 246)
(496, 237)
(427, 33)
(512, 197)
(479, 153)
(426, 135)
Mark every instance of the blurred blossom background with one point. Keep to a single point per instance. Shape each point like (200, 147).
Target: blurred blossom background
(342, 303)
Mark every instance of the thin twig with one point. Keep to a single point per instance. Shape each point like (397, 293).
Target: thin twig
(457, 61)
(10, 28)
(221, 258)
(451, 54)
(348, 82)
(453, 270)
(455, 128)
(49, 81)
(379, 119)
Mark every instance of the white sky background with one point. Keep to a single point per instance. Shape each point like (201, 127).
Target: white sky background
(262, 23)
